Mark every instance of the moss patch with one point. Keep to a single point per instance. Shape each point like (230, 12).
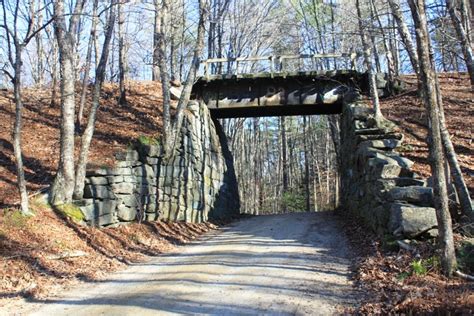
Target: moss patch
(15, 219)
(72, 211)
(148, 140)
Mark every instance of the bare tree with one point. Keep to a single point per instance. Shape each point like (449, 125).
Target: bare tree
(63, 185)
(88, 63)
(404, 33)
(16, 44)
(429, 81)
(463, 37)
(368, 63)
(157, 38)
(160, 51)
(191, 77)
(170, 131)
(89, 130)
(122, 54)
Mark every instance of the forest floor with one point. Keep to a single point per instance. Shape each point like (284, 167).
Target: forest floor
(408, 113)
(41, 255)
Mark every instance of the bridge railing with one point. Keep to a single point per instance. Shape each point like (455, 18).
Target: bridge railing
(276, 64)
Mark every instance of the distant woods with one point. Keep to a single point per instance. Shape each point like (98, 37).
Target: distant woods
(288, 164)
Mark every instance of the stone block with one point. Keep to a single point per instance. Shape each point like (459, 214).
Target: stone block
(127, 164)
(145, 190)
(378, 170)
(406, 181)
(361, 112)
(98, 208)
(126, 213)
(149, 217)
(411, 221)
(114, 179)
(371, 131)
(170, 172)
(120, 171)
(379, 158)
(391, 135)
(130, 155)
(388, 143)
(123, 188)
(421, 196)
(104, 220)
(98, 192)
(97, 172)
(97, 180)
(144, 171)
(145, 181)
(152, 161)
(153, 151)
(151, 208)
(129, 200)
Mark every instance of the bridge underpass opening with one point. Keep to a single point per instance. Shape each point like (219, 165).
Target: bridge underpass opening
(284, 164)
(282, 130)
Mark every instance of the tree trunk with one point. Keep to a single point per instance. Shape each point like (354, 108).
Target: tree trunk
(188, 85)
(54, 74)
(388, 52)
(306, 166)
(368, 63)
(156, 42)
(20, 174)
(122, 55)
(458, 179)
(39, 50)
(428, 79)
(63, 185)
(163, 70)
(284, 153)
(88, 64)
(463, 38)
(89, 130)
(404, 34)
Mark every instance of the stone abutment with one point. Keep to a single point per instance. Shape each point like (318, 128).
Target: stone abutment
(194, 183)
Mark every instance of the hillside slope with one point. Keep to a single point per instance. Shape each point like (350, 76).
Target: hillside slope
(116, 128)
(408, 113)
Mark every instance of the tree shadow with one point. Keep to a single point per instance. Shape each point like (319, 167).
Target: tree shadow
(35, 171)
(221, 275)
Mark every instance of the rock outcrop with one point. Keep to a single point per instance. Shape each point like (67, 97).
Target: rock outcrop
(377, 182)
(193, 183)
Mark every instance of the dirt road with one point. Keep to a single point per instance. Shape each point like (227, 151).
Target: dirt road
(293, 264)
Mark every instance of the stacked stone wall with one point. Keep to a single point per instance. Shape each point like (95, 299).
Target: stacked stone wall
(193, 183)
(378, 183)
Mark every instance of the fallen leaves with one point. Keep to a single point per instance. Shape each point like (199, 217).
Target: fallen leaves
(392, 287)
(46, 253)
